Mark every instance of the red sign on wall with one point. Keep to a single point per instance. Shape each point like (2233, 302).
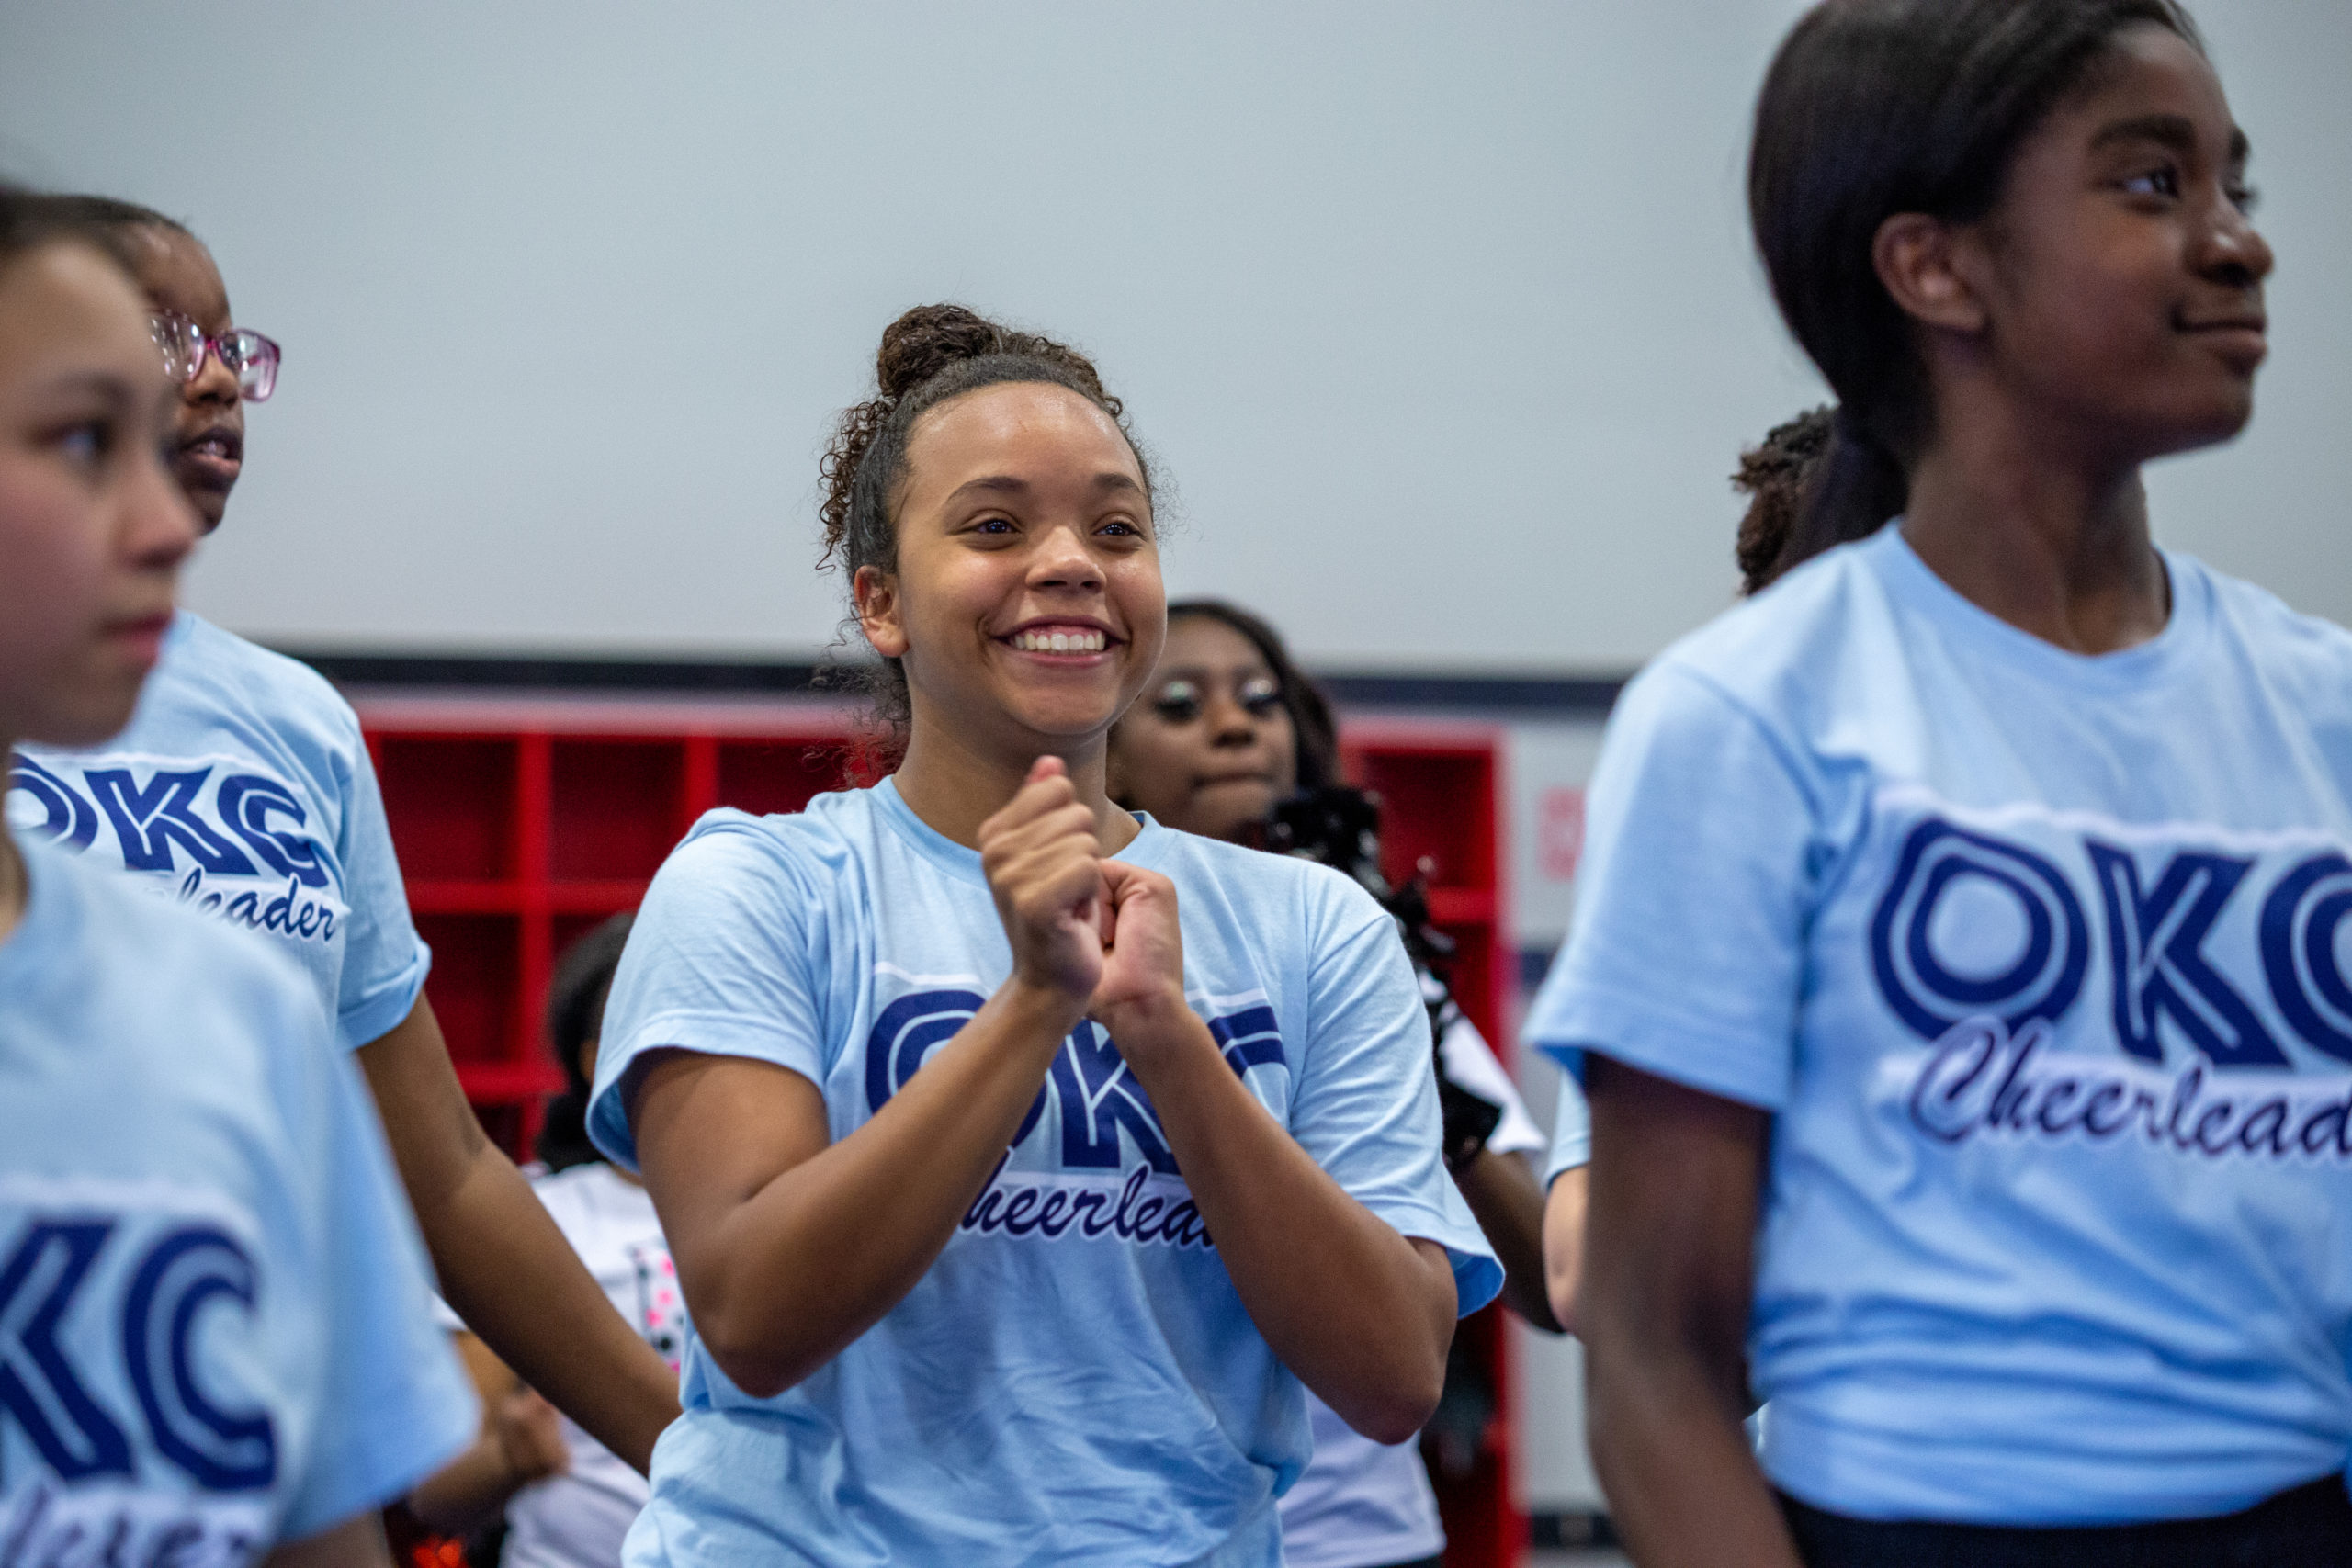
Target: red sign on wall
(1559, 832)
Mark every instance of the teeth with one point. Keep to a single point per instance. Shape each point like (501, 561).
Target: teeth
(1058, 641)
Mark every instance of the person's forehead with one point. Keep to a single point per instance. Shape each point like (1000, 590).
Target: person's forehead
(1207, 645)
(2151, 72)
(66, 303)
(1034, 425)
(178, 273)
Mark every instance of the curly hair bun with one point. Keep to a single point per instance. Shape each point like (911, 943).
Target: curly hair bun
(929, 338)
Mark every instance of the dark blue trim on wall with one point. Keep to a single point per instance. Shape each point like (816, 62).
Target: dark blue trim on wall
(1552, 695)
(1531, 696)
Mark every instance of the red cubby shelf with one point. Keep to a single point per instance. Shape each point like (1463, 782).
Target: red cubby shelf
(523, 821)
(1441, 787)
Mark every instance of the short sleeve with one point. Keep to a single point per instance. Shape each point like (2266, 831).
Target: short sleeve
(1571, 1131)
(1686, 952)
(1366, 1108)
(718, 962)
(396, 1403)
(384, 960)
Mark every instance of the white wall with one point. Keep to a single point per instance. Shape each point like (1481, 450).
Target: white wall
(1442, 317)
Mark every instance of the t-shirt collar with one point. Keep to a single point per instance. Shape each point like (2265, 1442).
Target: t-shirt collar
(964, 863)
(1915, 584)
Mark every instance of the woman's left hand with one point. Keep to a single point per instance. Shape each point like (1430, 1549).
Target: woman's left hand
(1141, 993)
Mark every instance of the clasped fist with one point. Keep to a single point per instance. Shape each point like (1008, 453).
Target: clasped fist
(1046, 868)
(1100, 932)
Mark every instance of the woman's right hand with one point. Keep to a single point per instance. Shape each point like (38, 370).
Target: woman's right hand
(1043, 865)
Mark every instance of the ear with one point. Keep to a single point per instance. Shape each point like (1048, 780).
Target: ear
(1924, 264)
(876, 593)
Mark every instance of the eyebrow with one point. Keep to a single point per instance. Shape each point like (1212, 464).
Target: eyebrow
(105, 383)
(1007, 484)
(2176, 131)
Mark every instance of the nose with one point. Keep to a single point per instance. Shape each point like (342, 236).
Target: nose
(2234, 253)
(1229, 723)
(215, 383)
(159, 525)
(1062, 560)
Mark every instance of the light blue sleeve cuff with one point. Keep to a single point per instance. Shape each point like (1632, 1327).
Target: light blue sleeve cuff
(385, 1007)
(419, 1420)
(1642, 1033)
(704, 1034)
(1478, 1277)
(1568, 1153)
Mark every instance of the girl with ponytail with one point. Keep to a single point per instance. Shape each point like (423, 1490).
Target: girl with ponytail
(1019, 1157)
(1959, 970)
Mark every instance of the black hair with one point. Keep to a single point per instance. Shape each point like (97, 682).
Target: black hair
(29, 220)
(110, 221)
(1309, 709)
(1773, 475)
(929, 355)
(575, 1015)
(1874, 107)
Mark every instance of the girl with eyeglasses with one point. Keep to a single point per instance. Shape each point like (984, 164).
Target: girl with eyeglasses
(1021, 1157)
(215, 1339)
(242, 788)
(1229, 731)
(1960, 960)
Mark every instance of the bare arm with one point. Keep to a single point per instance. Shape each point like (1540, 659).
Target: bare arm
(1669, 1276)
(789, 1246)
(752, 1193)
(1364, 1316)
(1563, 1219)
(358, 1542)
(503, 1265)
(1502, 1193)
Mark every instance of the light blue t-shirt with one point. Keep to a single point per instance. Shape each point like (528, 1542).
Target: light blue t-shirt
(1571, 1132)
(242, 788)
(215, 1329)
(2043, 964)
(1074, 1380)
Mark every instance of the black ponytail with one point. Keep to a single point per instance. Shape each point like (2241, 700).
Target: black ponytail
(1874, 107)
(575, 1015)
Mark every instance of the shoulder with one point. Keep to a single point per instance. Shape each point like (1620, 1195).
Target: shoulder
(2312, 653)
(760, 878)
(270, 681)
(210, 679)
(833, 829)
(1768, 654)
(1259, 887)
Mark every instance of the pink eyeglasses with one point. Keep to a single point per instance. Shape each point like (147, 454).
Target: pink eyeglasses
(250, 357)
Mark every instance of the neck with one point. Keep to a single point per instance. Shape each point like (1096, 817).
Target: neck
(953, 783)
(2035, 530)
(15, 885)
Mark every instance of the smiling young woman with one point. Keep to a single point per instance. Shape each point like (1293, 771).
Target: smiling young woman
(1019, 1158)
(1957, 954)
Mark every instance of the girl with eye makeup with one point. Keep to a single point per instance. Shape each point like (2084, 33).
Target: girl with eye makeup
(1960, 969)
(241, 788)
(1231, 740)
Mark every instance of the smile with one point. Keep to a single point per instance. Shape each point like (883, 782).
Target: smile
(1059, 640)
